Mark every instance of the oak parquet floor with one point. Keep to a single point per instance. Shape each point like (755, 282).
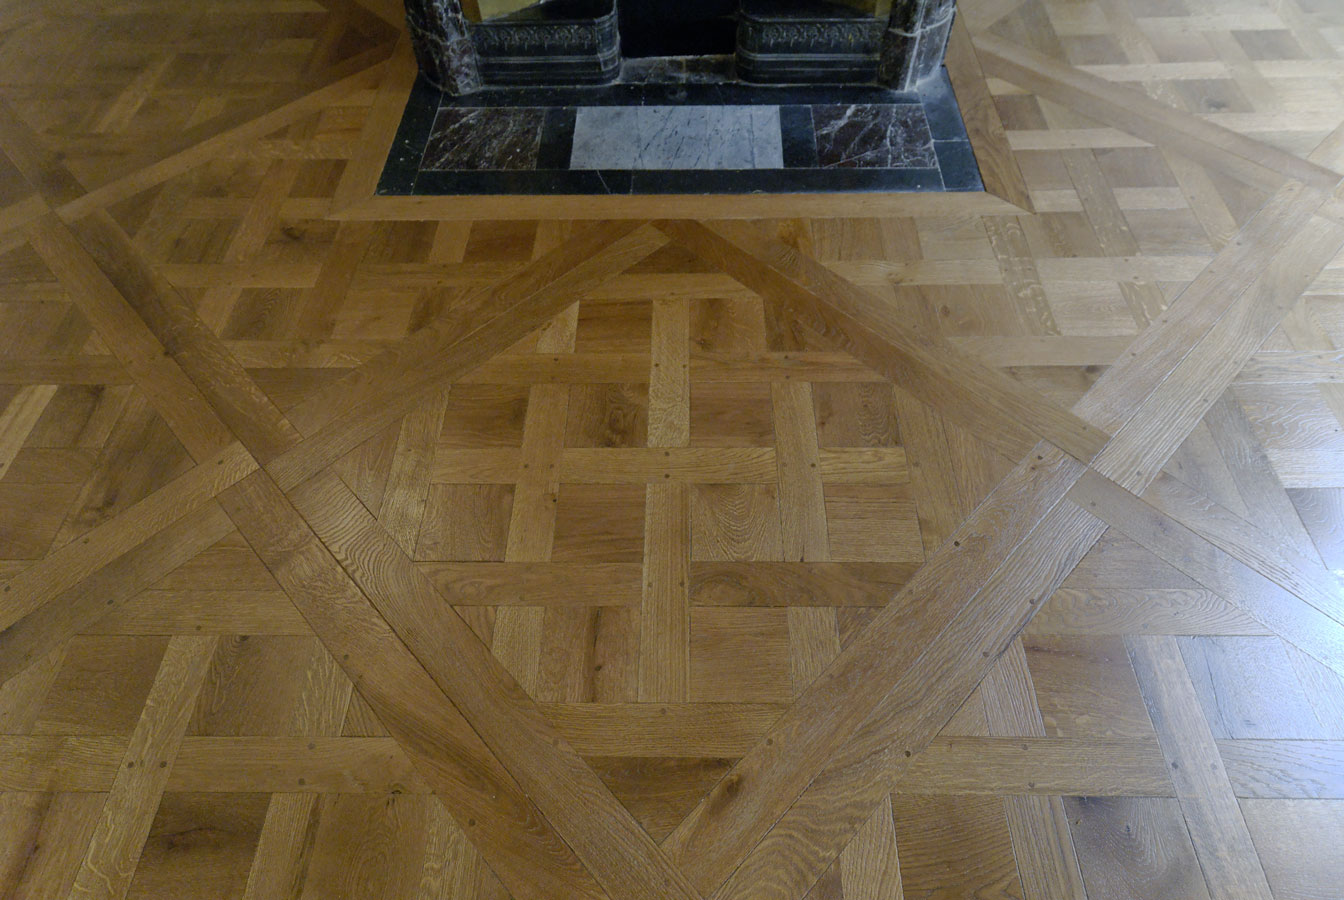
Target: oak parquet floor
(921, 547)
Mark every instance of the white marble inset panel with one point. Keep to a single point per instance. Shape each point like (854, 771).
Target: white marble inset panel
(677, 137)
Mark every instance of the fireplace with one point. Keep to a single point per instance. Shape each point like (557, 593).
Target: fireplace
(463, 45)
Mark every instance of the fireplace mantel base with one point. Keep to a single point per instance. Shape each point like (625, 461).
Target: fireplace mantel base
(569, 42)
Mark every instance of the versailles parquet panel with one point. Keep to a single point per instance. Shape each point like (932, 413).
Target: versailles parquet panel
(355, 548)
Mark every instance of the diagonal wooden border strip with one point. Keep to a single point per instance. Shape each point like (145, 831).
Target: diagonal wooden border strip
(71, 611)
(1222, 842)
(200, 353)
(1260, 165)
(729, 823)
(172, 394)
(243, 408)
(338, 418)
(1277, 560)
(1317, 630)
(998, 166)
(209, 148)
(531, 859)
(41, 168)
(133, 799)
(620, 855)
(37, 585)
(794, 850)
(856, 321)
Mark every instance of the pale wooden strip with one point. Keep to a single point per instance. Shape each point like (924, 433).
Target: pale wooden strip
(173, 395)
(143, 773)
(810, 366)
(727, 827)
(360, 178)
(1287, 615)
(1273, 769)
(521, 845)
(617, 206)
(1121, 611)
(1001, 410)
(33, 637)
(670, 375)
(356, 407)
(19, 417)
(612, 846)
(1047, 863)
(494, 466)
(283, 846)
(202, 612)
(1217, 829)
(662, 729)
(1045, 766)
(814, 643)
(1294, 367)
(767, 584)
(1308, 468)
(870, 867)
(327, 765)
(536, 584)
(1259, 164)
(58, 763)
(81, 558)
(617, 465)
(998, 167)
(561, 368)
(802, 504)
(1008, 351)
(73, 370)
(863, 465)
(664, 614)
(408, 483)
(1020, 277)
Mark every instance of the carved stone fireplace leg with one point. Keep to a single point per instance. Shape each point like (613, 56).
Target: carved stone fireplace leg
(916, 39)
(442, 46)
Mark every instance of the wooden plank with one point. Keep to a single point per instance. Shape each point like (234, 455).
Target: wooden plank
(68, 566)
(1258, 164)
(998, 167)
(243, 408)
(337, 419)
(1047, 863)
(1006, 414)
(174, 397)
(523, 848)
(670, 375)
(29, 639)
(18, 418)
(1217, 829)
(729, 824)
(1270, 769)
(691, 730)
(802, 504)
(797, 584)
(1286, 614)
(665, 614)
(612, 846)
(535, 584)
(134, 796)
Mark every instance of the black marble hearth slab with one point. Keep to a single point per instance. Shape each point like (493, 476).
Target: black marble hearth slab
(684, 138)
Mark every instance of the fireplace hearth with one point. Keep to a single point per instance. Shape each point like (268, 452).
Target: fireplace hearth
(680, 97)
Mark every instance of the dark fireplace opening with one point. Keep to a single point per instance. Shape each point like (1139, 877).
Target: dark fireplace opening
(677, 27)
